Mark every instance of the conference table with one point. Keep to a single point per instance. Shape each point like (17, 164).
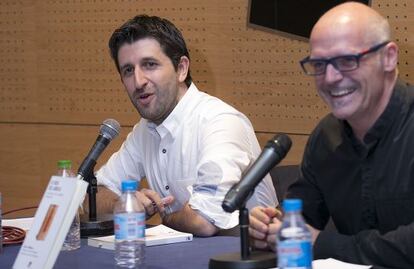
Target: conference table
(187, 255)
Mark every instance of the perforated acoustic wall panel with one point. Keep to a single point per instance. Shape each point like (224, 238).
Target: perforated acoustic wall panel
(18, 99)
(73, 79)
(78, 81)
(56, 68)
(401, 17)
(264, 78)
(58, 83)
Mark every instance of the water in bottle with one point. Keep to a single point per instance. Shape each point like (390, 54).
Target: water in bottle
(294, 247)
(72, 240)
(129, 225)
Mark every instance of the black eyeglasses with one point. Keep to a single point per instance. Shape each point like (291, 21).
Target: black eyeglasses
(343, 63)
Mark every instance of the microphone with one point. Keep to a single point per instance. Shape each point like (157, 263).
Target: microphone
(274, 151)
(94, 226)
(109, 130)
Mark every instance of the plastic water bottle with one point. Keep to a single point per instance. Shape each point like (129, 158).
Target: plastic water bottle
(294, 247)
(129, 225)
(72, 240)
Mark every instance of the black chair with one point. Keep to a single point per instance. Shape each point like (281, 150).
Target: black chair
(282, 177)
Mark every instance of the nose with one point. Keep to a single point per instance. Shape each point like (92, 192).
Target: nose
(332, 74)
(140, 78)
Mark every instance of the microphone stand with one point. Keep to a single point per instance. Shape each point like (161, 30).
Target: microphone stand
(246, 259)
(94, 226)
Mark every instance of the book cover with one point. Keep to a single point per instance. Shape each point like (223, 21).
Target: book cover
(55, 214)
(158, 235)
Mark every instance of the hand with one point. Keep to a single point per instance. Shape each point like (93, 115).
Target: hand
(152, 201)
(264, 224)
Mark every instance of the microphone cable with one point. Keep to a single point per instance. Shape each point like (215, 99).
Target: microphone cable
(13, 235)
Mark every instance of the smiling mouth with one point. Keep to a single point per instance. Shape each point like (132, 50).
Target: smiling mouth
(144, 96)
(341, 92)
(145, 99)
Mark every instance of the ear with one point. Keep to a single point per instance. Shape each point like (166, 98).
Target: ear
(391, 57)
(182, 68)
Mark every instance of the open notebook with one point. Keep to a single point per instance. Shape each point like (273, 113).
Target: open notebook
(158, 235)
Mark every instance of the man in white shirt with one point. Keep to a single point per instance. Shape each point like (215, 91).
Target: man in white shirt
(191, 147)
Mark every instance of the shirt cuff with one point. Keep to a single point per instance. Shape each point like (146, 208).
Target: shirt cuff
(210, 208)
(329, 244)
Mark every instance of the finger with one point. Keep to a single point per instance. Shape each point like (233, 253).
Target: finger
(279, 214)
(153, 196)
(271, 212)
(168, 200)
(261, 214)
(157, 202)
(274, 227)
(271, 241)
(146, 202)
(258, 225)
(260, 244)
(255, 234)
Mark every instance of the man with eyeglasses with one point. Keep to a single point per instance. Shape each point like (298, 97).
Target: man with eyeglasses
(358, 165)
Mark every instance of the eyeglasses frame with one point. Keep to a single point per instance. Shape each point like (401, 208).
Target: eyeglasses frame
(332, 60)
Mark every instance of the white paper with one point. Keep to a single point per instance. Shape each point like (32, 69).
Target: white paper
(335, 264)
(332, 263)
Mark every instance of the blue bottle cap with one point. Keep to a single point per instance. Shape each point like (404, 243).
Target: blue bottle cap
(292, 205)
(129, 185)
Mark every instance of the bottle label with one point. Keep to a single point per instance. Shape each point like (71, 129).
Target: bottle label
(294, 253)
(129, 226)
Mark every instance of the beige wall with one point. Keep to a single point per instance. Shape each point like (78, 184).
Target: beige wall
(58, 84)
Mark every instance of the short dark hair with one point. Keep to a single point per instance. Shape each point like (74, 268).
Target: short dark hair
(162, 30)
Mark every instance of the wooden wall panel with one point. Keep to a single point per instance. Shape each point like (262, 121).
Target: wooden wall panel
(296, 151)
(58, 83)
(29, 154)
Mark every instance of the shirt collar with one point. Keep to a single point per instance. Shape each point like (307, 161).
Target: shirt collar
(386, 119)
(173, 121)
(383, 123)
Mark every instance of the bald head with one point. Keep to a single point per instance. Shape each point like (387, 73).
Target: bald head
(354, 34)
(367, 25)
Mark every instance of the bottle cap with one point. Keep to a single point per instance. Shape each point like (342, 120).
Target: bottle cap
(129, 185)
(64, 164)
(292, 204)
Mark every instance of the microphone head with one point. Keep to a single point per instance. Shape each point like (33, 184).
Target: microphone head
(280, 143)
(110, 129)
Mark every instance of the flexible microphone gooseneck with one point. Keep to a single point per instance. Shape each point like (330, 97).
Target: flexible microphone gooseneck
(91, 225)
(274, 151)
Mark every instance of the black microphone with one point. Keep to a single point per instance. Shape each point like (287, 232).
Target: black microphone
(274, 151)
(109, 130)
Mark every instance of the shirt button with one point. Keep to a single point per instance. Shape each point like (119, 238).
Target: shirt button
(164, 150)
(167, 187)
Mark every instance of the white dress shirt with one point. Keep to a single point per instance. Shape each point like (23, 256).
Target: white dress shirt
(195, 155)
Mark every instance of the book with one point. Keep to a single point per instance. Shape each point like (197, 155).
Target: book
(51, 223)
(157, 235)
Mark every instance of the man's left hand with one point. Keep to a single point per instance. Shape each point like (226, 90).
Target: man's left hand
(152, 201)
